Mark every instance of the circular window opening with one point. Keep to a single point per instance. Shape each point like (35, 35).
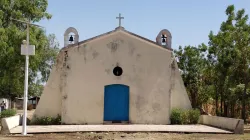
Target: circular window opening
(117, 71)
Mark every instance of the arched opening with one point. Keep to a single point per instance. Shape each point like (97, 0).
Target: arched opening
(70, 36)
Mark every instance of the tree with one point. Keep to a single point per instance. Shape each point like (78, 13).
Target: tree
(11, 35)
(229, 53)
(242, 45)
(191, 61)
(221, 70)
(48, 59)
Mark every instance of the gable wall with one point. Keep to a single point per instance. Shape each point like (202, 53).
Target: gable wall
(146, 72)
(78, 87)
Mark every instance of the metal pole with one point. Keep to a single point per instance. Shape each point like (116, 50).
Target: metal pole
(25, 97)
(24, 132)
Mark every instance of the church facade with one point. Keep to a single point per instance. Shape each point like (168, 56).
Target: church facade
(114, 77)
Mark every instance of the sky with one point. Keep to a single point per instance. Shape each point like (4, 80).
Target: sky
(189, 21)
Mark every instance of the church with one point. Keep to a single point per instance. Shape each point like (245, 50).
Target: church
(115, 77)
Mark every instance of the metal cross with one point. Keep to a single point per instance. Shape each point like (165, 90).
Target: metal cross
(120, 19)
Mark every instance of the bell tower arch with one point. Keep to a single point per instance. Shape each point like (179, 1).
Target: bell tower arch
(70, 38)
(164, 38)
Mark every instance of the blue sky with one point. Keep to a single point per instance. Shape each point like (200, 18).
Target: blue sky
(189, 21)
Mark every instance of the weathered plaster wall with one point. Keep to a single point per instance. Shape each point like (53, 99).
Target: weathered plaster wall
(51, 98)
(179, 96)
(146, 72)
(86, 69)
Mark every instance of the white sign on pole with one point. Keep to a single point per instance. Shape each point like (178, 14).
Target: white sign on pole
(27, 50)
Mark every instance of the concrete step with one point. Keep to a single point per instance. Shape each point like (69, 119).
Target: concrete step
(120, 128)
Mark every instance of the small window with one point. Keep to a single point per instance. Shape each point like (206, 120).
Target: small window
(117, 71)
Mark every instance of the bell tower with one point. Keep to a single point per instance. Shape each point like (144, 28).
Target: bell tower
(164, 38)
(70, 38)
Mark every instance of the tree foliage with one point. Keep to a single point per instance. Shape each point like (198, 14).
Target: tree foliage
(12, 33)
(191, 60)
(221, 70)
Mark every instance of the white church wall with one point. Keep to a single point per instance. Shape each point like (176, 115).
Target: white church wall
(76, 85)
(179, 96)
(146, 71)
(51, 98)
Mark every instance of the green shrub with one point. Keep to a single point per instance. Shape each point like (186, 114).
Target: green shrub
(179, 116)
(176, 116)
(184, 117)
(46, 121)
(8, 113)
(193, 116)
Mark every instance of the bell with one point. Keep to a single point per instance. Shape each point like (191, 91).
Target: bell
(71, 38)
(163, 38)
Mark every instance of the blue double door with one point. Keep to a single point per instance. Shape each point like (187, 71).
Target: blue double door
(116, 103)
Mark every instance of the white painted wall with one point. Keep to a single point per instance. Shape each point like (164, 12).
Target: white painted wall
(235, 125)
(9, 123)
(75, 88)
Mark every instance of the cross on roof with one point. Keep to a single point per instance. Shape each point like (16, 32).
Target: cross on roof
(120, 19)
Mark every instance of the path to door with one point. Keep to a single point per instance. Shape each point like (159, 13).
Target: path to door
(121, 128)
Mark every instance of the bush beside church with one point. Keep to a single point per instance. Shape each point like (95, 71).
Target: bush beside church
(180, 116)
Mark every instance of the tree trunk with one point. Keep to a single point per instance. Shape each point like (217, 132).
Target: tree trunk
(193, 97)
(243, 114)
(13, 104)
(216, 101)
(221, 104)
(225, 109)
(232, 110)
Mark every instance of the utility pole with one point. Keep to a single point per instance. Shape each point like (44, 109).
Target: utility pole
(26, 49)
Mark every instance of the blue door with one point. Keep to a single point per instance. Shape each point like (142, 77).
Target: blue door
(116, 103)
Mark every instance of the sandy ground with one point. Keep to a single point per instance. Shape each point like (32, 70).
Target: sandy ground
(29, 113)
(128, 136)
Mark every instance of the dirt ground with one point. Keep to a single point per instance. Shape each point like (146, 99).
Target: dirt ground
(127, 136)
(29, 113)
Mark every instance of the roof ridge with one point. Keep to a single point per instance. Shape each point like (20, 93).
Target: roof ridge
(116, 29)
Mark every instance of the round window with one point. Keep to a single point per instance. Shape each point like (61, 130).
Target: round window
(117, 71)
